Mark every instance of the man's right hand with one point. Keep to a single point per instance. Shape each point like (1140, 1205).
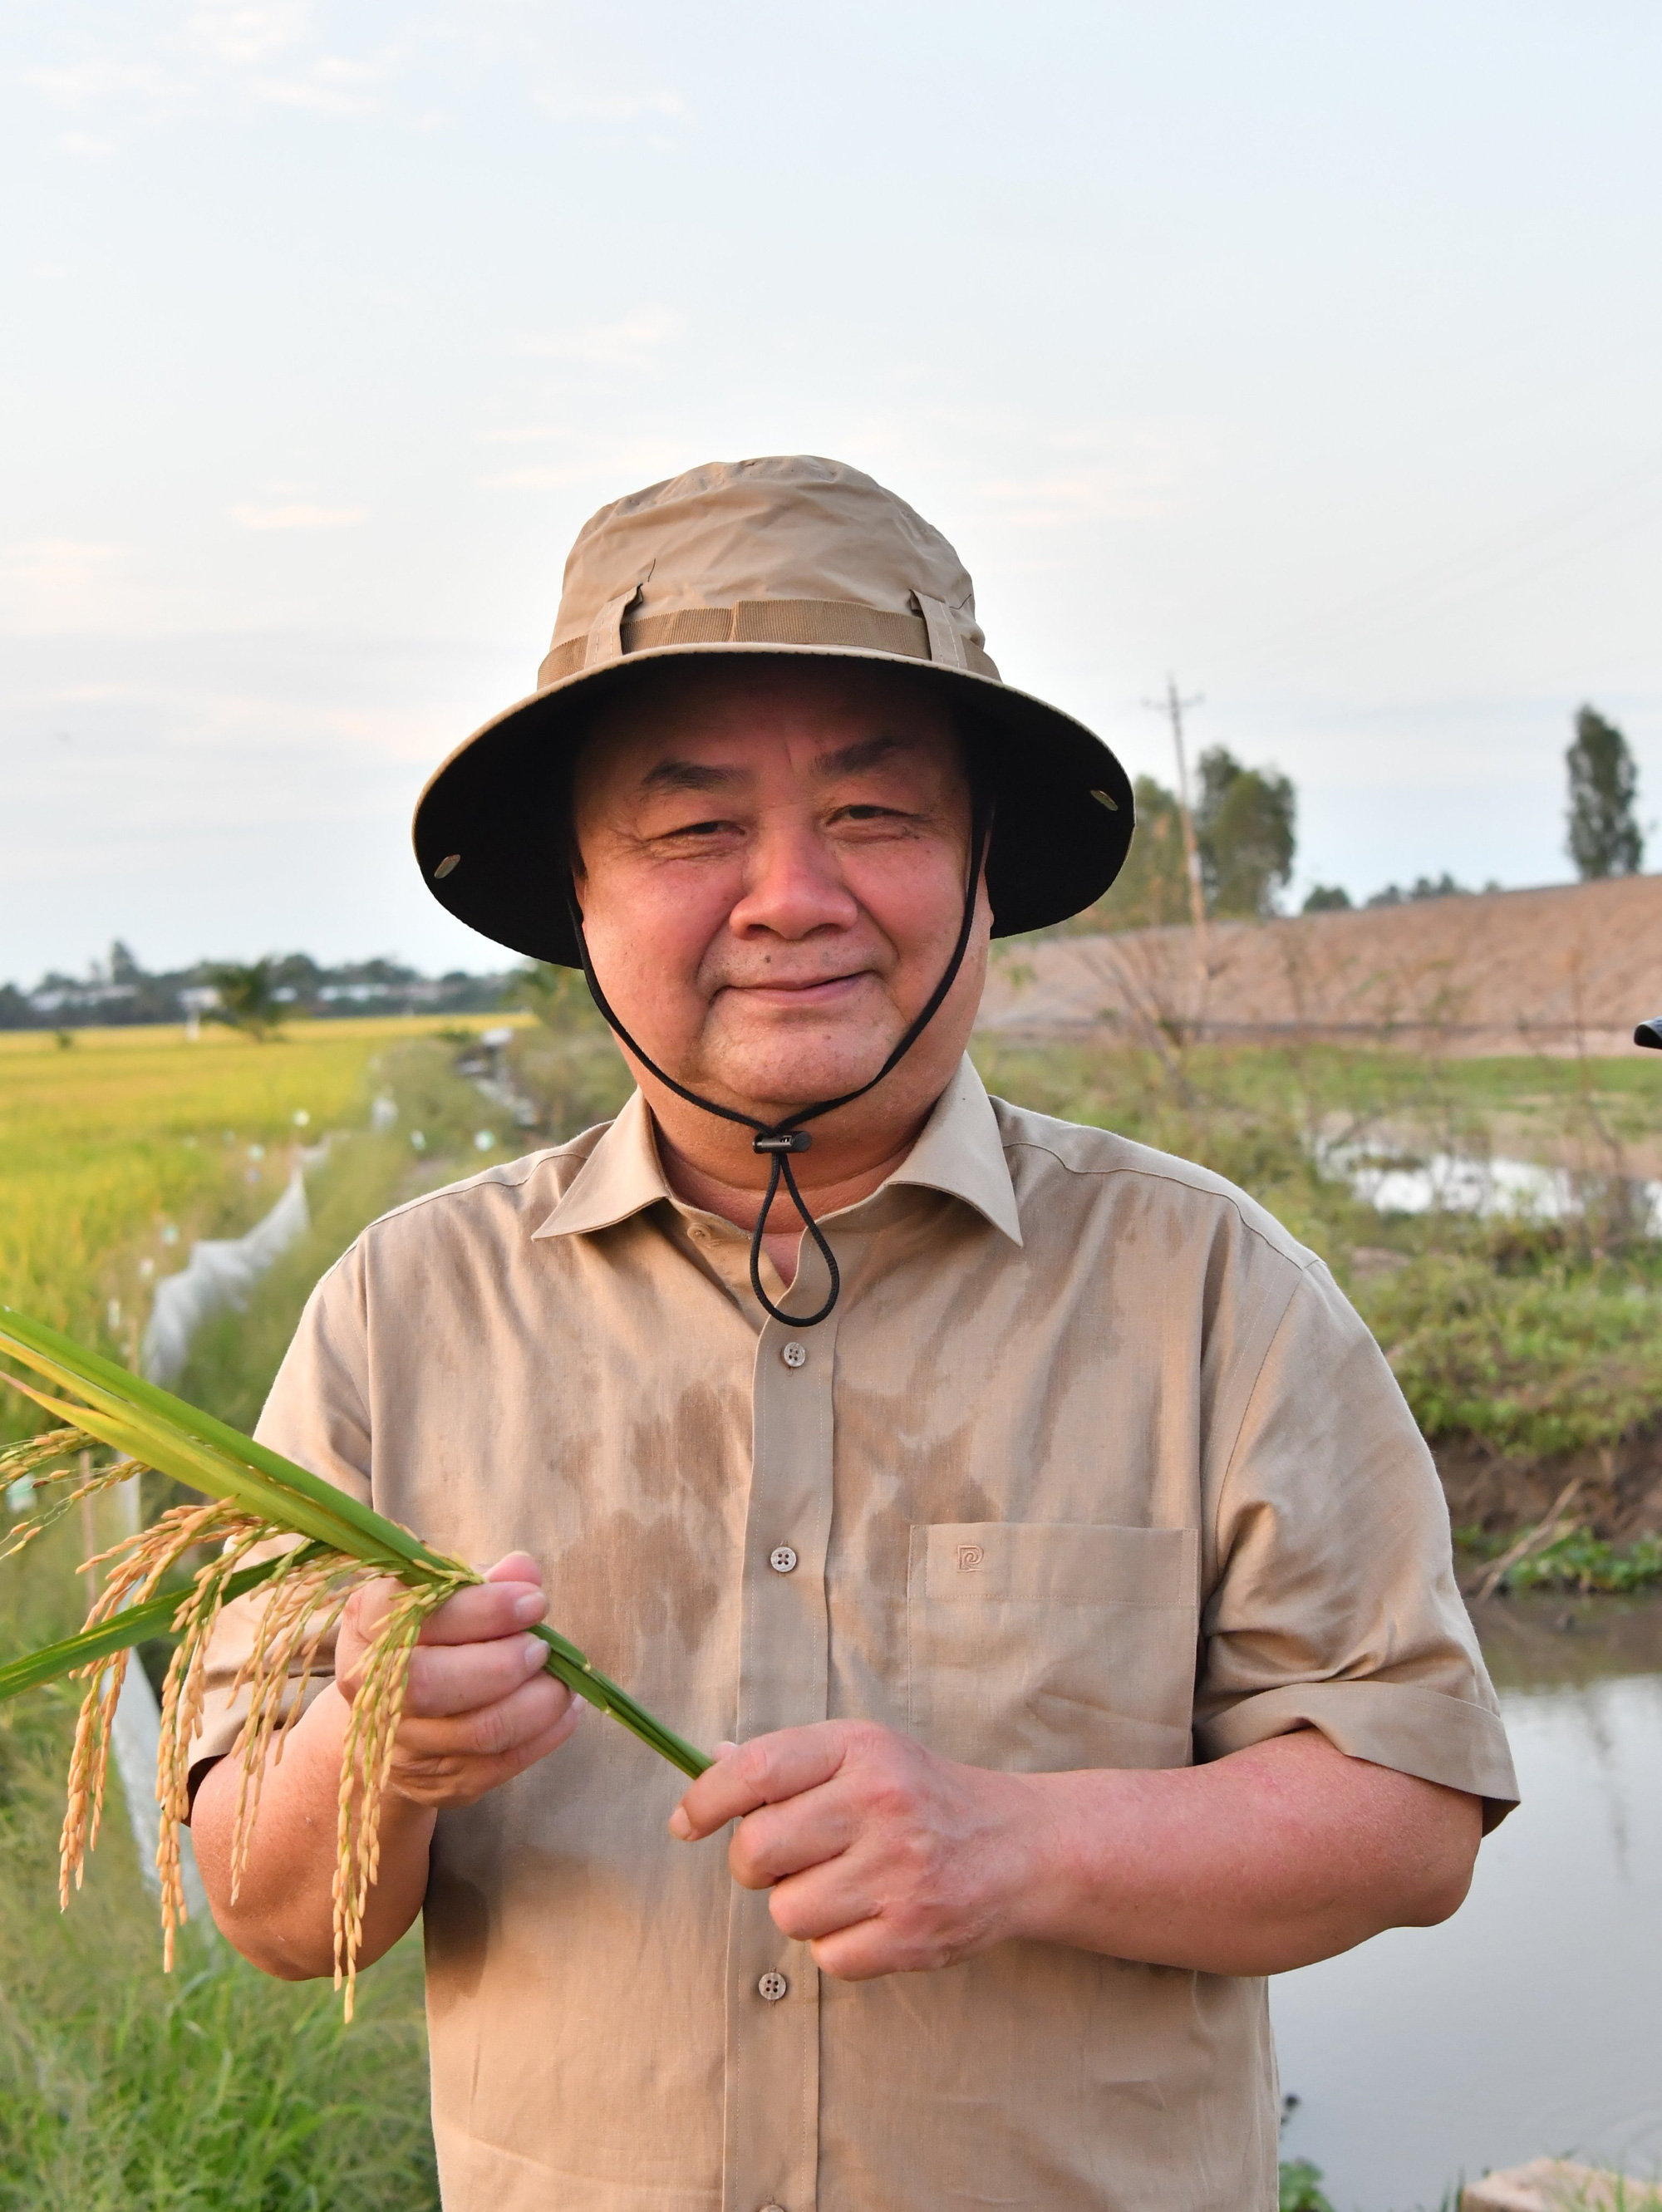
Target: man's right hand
(478, 1710)
(479, 1707)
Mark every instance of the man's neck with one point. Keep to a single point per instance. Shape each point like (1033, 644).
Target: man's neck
(829, 1179)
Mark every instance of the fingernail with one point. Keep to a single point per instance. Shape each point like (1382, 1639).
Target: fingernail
(532, 1607)
(536, 1654)
(680, 1826)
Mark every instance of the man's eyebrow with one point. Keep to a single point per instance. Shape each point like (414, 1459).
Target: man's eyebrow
(688, 776)
(863, 753)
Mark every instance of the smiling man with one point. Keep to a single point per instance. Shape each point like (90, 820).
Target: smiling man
(1027, 1516)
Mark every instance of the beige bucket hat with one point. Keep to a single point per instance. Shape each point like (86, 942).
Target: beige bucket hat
(792, 554)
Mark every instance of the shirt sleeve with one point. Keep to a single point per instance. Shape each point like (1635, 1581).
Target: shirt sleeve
(1332, 1602)
(316, 1414)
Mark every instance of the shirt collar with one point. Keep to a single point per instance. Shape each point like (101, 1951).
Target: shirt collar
(959, 1151)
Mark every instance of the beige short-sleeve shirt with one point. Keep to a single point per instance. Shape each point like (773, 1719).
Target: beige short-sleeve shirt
(1092, 1466)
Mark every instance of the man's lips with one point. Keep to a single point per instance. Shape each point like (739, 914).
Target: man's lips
(812, 991)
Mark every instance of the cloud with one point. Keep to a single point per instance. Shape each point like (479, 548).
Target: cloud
(1084, 495)
(609, 468)
(244, 33)
(297, 515)
(535, 479)
(634, 342)
(332, 85)
(53, 583)
(592, 107)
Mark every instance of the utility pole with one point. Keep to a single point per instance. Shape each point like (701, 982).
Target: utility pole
(1174, 706)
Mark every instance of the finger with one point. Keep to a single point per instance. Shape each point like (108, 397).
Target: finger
(810, 1906)
(455, 1777)
(459, 1678)
(860, 1953)
(487, 1731)
(760, 1772)
(514, 1567)
(777, 1841)
(487, 1610)
(368, 1606)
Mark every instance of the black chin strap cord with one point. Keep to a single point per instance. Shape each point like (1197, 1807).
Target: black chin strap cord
(780, 1139)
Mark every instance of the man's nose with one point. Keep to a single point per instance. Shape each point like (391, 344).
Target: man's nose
(794, 885)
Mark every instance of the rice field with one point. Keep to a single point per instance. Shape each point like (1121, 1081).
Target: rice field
(119, 1149)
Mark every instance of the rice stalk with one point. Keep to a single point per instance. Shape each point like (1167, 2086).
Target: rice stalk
(320, 1545)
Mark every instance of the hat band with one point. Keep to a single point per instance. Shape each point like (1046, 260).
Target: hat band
(844, 623)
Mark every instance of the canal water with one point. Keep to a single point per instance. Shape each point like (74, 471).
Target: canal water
(1531, 2022)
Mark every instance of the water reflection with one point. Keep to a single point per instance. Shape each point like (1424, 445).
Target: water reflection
(1530, 2022)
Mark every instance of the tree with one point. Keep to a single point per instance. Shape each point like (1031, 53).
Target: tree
(1604, 838)
(1328, 898)
(1151, 891)
(1244, 826)
(248, 997)
(559, 998)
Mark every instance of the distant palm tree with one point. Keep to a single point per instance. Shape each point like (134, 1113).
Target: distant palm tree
(248, 997)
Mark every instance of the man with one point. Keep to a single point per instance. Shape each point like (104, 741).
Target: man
(1031, 1511)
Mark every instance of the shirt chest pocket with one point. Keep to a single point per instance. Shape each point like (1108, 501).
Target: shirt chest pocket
(1041, 1649)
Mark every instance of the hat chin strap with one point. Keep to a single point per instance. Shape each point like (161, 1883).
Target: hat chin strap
(780, 1139)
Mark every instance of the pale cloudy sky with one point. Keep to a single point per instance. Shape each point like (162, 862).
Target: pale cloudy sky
(1311, 350)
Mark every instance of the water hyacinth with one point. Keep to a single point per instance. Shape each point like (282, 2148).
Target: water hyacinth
(270, 1524)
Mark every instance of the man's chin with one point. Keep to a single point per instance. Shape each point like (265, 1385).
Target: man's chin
(778, 1077)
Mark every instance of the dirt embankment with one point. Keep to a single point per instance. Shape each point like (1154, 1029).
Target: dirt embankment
(1619, 1496)
(1562, 971)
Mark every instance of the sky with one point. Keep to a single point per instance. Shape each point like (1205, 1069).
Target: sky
(1307, 354)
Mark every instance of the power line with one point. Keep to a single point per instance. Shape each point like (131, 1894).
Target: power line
(1174, 706)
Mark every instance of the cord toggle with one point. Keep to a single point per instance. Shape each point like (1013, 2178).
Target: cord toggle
(781, 1140)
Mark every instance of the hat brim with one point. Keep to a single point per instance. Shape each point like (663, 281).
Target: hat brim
(1063, 807)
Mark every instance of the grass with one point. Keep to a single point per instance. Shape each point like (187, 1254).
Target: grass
(1579, 1561)
(125, 2091)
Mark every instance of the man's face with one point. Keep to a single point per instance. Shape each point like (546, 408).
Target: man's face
(773, 859)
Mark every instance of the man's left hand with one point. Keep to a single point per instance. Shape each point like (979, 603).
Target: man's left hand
(881, 1857)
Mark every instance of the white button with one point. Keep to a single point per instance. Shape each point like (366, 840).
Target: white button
(773, 1985)
(794, 1354)
(781, 1559)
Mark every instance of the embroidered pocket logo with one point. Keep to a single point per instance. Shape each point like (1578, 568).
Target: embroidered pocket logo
(971, 1558)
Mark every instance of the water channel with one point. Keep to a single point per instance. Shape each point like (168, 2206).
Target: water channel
(1531, 2022)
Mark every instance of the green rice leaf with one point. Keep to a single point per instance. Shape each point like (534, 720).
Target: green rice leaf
(135, 1625)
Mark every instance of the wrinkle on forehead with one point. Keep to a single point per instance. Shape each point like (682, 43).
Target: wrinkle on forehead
(675, 714)
(852, 759)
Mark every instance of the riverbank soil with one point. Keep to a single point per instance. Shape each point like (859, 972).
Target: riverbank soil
(1618, 1494)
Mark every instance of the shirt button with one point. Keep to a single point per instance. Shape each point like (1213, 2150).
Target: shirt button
(773, 1985)
(781, 1559)
(794, 1354)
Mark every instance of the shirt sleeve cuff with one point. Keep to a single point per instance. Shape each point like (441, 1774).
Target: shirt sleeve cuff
(1423, 1732)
